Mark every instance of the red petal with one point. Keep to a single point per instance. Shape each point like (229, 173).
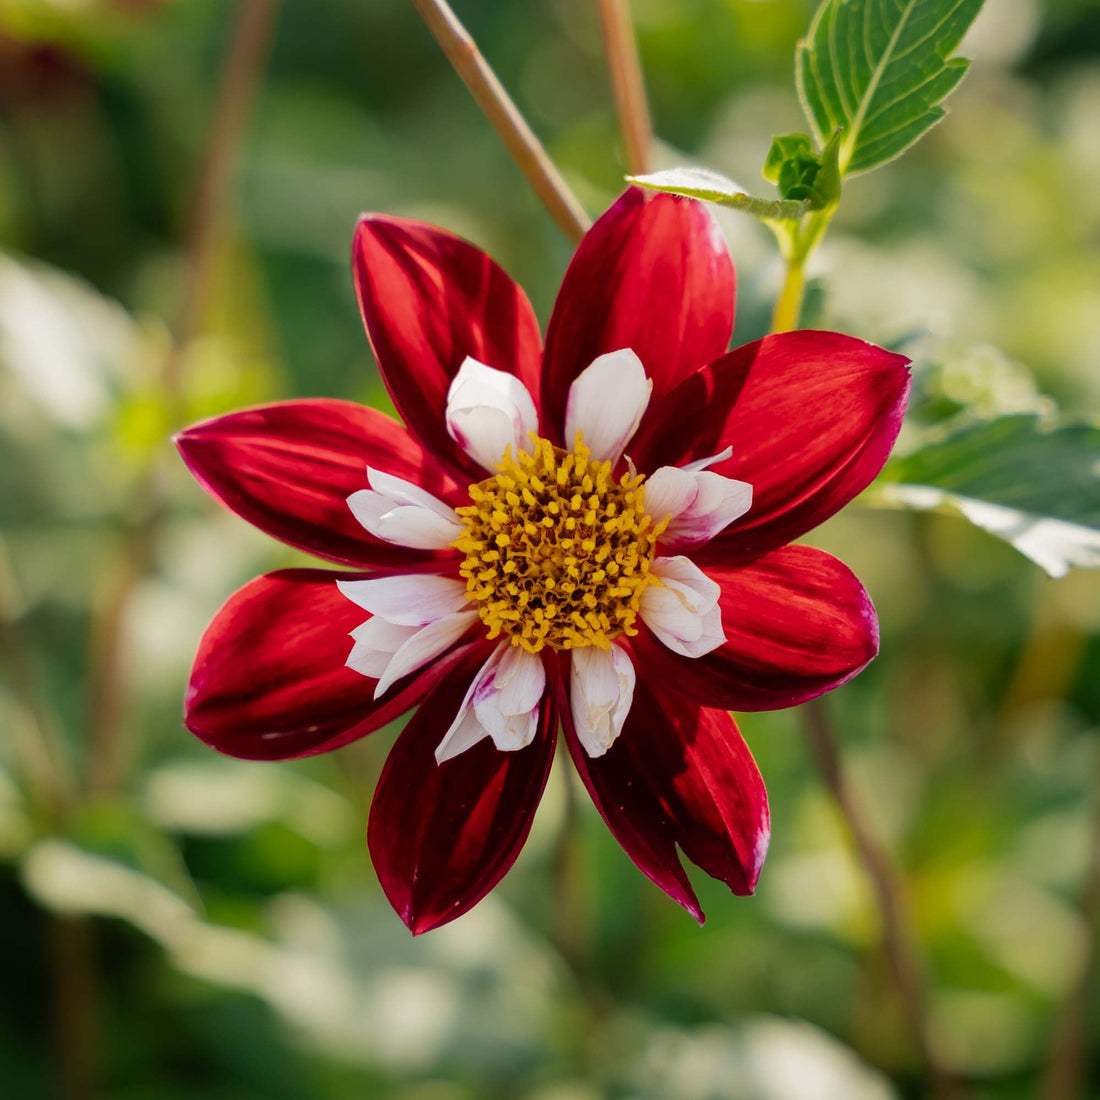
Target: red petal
(269, 681)
(811, 417)
(443, 835)
(428, 300)
(653, 274)
(682, 775)
(798, 623)
(288, 468)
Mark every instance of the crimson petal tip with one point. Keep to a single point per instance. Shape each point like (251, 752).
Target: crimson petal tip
(429, 299)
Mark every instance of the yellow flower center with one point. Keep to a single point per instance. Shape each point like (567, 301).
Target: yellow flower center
(557, 552)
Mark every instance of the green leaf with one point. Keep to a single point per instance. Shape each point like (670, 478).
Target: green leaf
(879, 69)
(700, 183)
(1033, 486)
(828, 183)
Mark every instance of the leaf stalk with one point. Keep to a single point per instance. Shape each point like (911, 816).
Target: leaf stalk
(889, 894)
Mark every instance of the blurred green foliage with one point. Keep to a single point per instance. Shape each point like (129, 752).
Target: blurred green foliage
(214, 928)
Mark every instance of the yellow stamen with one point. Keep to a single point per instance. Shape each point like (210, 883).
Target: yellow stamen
(557, 552)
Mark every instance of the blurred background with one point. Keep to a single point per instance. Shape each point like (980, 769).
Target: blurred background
(176, 924)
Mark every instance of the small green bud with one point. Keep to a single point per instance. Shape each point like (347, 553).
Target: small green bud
(802, 174)
(786, 148)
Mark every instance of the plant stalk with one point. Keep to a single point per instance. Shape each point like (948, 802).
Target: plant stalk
(242, 71)
(797, 242)
(788, 306)
(889, 893)
(505, 117)
(627, 83)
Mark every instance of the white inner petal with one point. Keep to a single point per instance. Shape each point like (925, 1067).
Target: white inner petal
(465, 732)
(601, 691)
(700, 503)
(409, 599)
(397, 511)
(520, 680)
(417, 528)
(382, 635)
(669, 491)
(368, 661)
(376, 641)
(422, 646)
(606, 402)
(369, 507)
(685, 572)
(489, 411)
(405, 492)
(683, 611)
(502, 703)
(706, 463)
(484, 433)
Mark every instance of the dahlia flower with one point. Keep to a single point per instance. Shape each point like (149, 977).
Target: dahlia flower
(592, 533)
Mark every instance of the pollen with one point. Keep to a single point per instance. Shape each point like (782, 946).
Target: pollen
(558, 552)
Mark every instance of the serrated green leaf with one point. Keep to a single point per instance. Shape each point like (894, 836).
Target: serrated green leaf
(700, 183)
(879, 69)
(1033, 486)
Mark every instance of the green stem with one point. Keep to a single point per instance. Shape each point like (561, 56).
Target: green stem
(797, 243)
(788, 306)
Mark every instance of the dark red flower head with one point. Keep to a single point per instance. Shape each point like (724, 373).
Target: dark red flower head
(594, 532)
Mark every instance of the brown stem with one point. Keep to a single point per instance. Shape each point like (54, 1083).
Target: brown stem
(240, 79)
(241, 73)
(627, 83)
(1065, 1073)
(510, 125)
(889, 893)
(75, 1011)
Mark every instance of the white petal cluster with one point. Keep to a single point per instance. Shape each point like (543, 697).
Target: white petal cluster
(601, 691)
(700, 504)
(606, 403)
(400, 512)
(488, 412)
(502, 703)
(683, 611)
(414, 619)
